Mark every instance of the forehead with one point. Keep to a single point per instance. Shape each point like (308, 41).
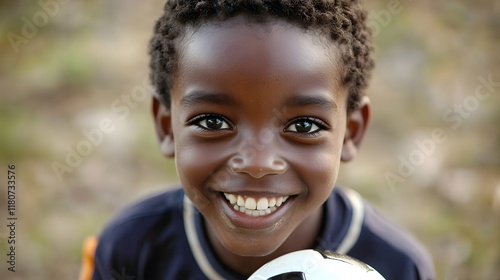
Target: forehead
(261, 54)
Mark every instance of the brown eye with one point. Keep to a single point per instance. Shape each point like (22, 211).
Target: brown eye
(305, 126)
(214, 123)
(211, 122)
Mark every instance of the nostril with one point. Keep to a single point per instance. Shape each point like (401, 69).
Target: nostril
(256, 168)
(279, 165)
(236, 164)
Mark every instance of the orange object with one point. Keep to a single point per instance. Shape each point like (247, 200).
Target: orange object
(88, 253)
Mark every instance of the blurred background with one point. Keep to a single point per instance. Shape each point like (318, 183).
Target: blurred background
(75, 120)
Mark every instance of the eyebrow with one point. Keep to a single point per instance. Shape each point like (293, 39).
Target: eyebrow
(199, 97)
(314, 100)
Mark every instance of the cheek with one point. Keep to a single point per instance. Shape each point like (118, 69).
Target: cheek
(196, 164)
(318, 168)
(321, 171)
(193, 161)
(191, 175)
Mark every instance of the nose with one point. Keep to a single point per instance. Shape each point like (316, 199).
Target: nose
(258, 163)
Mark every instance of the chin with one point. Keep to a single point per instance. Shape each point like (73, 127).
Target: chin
(252, 247)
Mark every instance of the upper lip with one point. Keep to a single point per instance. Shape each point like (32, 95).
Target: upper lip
(264, 187)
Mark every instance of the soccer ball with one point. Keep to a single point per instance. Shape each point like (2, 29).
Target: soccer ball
(313, 265)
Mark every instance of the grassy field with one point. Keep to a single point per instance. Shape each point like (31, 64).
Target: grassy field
(431, 159)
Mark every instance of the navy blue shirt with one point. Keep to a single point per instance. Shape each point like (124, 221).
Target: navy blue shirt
(163, 237)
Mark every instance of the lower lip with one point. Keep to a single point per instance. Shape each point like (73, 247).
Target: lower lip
(242, 220)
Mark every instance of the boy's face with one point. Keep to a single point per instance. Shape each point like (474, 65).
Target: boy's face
(258, 115)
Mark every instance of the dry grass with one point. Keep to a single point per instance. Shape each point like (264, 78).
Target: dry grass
(66, 78)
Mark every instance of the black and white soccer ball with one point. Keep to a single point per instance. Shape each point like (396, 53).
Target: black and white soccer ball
(315, 265)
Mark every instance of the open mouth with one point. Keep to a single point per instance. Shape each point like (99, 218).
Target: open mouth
(255, 206)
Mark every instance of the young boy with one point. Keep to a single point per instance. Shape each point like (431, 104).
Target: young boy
(258, 101)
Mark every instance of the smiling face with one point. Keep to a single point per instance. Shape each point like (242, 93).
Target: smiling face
(257, 125)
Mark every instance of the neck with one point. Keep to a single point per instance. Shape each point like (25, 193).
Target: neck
(303, 237)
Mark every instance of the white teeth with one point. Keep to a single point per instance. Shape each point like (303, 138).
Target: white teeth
(255, 206)
(241, 201)
(250, 203)
(279, 200)
(262, 203)
(272, 202)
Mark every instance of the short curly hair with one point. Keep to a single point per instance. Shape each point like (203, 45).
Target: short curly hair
(343, 20)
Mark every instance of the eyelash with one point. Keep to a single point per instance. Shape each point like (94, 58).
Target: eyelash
(321, 125)
(198, 119)
(317, 122)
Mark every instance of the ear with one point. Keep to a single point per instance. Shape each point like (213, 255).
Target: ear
(357, 123)
(163, 124)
